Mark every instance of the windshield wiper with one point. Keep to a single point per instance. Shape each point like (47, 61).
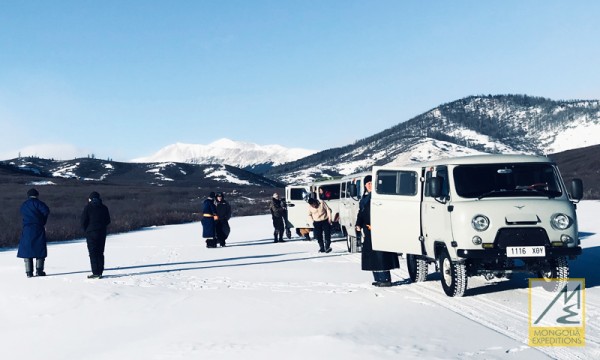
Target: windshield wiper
(490, 193)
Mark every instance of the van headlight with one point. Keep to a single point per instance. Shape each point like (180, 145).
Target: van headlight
(560, 221)
(480, 222)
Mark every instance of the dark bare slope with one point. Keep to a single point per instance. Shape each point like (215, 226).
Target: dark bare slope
(582, 163)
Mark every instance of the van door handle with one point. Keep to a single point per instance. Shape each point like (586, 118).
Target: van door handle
(291, 205)
(377, 203)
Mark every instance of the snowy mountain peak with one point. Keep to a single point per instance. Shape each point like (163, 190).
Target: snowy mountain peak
(229, 152)
(226, 143)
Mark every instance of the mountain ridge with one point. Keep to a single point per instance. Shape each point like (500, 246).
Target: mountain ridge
(472, 125)
(150, 174)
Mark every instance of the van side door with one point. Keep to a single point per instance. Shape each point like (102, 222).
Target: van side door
(296, 198)
(396, 209)
(437, 226)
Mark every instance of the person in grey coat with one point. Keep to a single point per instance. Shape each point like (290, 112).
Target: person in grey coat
(32, 243)
(94, 222)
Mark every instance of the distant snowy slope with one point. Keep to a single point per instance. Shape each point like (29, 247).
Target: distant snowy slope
(226, 151)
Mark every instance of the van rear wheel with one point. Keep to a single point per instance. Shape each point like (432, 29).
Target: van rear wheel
(417, 268)
(454, 276)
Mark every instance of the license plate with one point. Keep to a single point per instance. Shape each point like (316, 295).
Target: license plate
(525, 251)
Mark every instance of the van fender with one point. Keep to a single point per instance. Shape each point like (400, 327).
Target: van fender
(440, 247)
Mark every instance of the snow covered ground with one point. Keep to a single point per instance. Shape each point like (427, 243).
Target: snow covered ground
(165, 296)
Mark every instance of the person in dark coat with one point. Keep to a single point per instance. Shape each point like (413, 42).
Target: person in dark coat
(94, 222)
(209, 215)
(379, 262)
(223, 215)
(33, 237)
(278, 215)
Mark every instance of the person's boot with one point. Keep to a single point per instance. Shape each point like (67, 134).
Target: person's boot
(275, 236)
(29, 267)
(39, 267)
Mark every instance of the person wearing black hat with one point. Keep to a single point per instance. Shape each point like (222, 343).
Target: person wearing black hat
(94, 222)
(379, 262)
(32, 243)
(278, 210)
(222, 228)
(209, 216)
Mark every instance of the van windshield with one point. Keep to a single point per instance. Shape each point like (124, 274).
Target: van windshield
(506, 180)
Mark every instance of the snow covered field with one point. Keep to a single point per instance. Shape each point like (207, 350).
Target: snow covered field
(165, 296)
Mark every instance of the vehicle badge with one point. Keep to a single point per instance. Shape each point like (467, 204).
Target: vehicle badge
(520, 206)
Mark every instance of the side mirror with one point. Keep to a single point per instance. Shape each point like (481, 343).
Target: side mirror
(435, 187)
(577, 189)
(353, 190)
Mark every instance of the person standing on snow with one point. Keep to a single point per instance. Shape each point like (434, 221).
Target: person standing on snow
(94, 222)
(209, 216)
(379, 262)
(278, 214)
(223, 215)
(33, 237)
(319, 214)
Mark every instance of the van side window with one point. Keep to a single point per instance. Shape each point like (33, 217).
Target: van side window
(329, 192)
(441, 172)
(297, 194)
(397, 182)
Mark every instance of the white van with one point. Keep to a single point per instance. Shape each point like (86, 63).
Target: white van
(487, 215)
(297, 202)
(351, 192)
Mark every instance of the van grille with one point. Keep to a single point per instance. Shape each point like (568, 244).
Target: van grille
(521, 237)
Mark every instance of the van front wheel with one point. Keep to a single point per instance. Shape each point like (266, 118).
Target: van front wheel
(454, 276)
(417, 268)
(556, 273)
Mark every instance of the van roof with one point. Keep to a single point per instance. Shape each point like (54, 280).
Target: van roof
(357, 175)
(485, 159)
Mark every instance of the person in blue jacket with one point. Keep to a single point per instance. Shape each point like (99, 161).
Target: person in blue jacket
(209, 216)
(33, 238)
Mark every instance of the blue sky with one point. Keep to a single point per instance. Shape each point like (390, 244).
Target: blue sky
(122, 79)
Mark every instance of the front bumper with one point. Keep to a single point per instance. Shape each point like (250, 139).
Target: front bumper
(551, 252)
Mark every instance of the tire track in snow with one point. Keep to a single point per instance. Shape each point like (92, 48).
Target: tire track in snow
(493, 314)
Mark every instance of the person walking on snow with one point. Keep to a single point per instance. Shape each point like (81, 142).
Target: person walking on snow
(379, 262)
(209, 216)
(223, 215)
(320, 215)
(278, 215)
(94, 222)
(32, 243)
